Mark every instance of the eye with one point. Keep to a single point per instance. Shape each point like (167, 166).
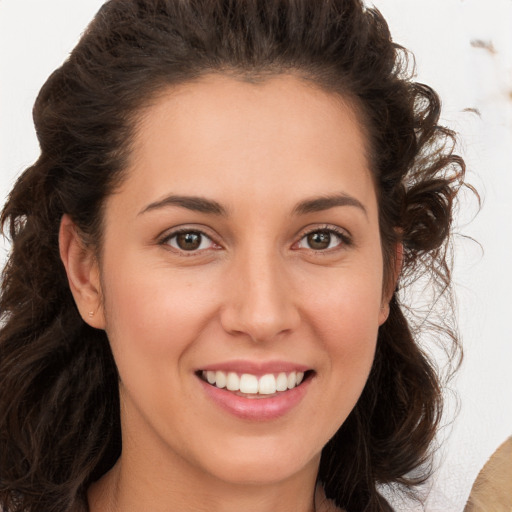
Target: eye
(322, 240)
(189, 241)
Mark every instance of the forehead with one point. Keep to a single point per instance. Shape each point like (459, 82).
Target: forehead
(219, 133)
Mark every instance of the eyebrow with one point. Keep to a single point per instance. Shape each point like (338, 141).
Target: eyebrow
(196, 204)
(318, 204)
(203, 205)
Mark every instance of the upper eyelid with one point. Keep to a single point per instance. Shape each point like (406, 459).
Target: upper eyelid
(165, 236)
(172, 232)
(344, 236)
(324, 227)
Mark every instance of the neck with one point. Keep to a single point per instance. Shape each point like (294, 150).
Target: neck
(126, 488)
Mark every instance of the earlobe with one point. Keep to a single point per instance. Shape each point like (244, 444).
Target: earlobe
(398, 264)
(384, 313)
(393, 280)
(83, 273)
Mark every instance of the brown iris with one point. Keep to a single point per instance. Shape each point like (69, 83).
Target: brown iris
(319, 240)
(189, 241)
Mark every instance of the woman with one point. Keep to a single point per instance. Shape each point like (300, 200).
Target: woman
(200, 309)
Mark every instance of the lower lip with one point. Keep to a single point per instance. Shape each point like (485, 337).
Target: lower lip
(257, 409)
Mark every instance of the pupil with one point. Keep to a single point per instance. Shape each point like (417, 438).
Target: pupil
(319, 240)
(189, 241)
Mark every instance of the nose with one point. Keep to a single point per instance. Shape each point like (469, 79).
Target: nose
(261, 303)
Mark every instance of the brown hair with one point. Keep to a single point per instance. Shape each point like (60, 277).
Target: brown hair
(59, 405)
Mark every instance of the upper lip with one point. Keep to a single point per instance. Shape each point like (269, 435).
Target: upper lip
(255, 367)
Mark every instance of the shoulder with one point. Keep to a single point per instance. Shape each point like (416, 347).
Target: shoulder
(492, 489)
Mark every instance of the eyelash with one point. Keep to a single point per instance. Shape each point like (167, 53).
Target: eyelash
(166, 241)
(343, 237)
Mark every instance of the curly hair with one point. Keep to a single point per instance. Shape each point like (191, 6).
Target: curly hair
(59, 401)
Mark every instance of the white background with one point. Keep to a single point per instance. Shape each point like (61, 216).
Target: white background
(36, 36)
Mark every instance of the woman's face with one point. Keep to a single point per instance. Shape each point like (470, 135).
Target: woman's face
(244, 248)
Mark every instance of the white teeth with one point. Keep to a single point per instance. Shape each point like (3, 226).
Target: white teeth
(292, 380)
(247, 383)
(267, 385)
(233, 382)
(220, 379)
(282, 382)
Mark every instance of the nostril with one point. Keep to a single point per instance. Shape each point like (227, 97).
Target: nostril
(261, 311)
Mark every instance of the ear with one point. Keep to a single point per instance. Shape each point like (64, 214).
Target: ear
(391, 284)
(83, 273)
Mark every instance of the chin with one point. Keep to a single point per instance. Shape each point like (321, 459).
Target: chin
(260, 468)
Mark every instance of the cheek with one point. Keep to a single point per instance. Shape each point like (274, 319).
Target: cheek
(345, 317)
(346, 325)
(153, 315)
(347, 304)
(154, 320)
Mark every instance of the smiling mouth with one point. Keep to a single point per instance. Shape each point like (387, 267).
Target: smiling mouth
(253, 386)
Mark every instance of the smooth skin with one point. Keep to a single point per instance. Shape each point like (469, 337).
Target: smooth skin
(246, 229)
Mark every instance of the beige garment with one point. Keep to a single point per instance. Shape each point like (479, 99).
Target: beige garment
(322, 504)
(492, 490)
